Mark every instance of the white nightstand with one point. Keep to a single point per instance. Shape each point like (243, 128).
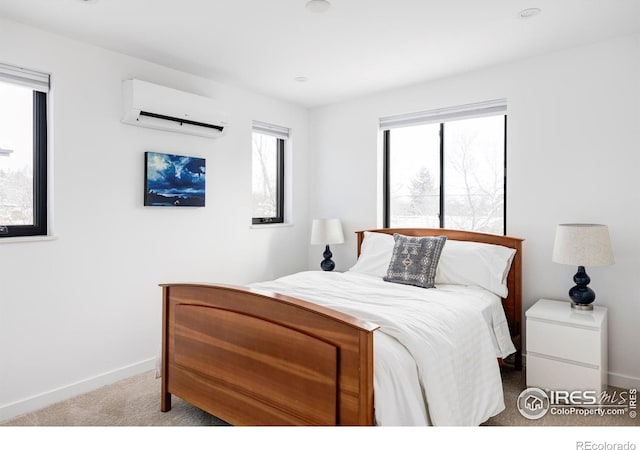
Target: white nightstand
(566, 348)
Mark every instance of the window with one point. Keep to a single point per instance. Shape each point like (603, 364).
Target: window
(446, 168)
(23, 152)
(268, 144)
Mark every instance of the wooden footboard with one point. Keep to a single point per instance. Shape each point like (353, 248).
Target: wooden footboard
(256, 358)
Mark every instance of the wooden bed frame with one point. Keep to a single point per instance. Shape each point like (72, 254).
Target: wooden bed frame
(255, 358)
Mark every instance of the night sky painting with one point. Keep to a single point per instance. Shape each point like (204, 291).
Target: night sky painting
(174, 180)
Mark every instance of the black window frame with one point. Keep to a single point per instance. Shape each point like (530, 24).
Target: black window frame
(279, 217)
(40, 201)
(386, 192)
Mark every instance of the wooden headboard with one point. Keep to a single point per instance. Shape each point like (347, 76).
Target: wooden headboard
(512, 304)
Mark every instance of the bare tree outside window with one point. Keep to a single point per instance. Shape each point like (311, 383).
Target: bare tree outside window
(474, 174)
(267, 183)
(264, 175)
(472, 178)
(423, 193)
(414, 176)
(16, 155)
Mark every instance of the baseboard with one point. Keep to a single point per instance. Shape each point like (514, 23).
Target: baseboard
(623, 381)
(35, 402)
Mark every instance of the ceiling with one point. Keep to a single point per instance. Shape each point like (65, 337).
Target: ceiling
(355, 48)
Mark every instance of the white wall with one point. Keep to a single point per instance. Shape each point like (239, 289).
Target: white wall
(573, 156)
(85, 309)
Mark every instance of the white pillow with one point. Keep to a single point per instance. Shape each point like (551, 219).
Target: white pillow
(375, 254)
(475, 263)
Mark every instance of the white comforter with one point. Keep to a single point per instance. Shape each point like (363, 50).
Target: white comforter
(435, 352)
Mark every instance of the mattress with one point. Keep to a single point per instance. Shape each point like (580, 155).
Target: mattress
(435, 351)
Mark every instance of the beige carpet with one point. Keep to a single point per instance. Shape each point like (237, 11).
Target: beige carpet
(136, 402)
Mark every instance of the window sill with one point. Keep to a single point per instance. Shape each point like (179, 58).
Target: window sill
(270, 225)
(15, 240)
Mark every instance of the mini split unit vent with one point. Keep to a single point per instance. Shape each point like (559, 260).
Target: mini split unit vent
(153, 106)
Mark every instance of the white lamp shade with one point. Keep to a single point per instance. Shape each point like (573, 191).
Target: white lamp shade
(582, 244)
(326, 231)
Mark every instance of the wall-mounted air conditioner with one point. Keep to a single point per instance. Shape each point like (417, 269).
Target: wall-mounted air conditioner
(153, 106)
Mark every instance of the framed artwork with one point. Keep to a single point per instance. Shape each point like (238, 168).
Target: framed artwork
(174, 180)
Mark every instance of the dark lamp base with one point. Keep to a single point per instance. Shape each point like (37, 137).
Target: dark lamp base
(581, 307)
(327, 264)
(581, 295)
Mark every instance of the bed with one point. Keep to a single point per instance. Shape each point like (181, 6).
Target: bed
(274, 353)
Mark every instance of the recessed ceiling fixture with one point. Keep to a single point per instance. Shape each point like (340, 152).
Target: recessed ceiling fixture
(318, 6)
(87, 2)
(301, 79)
(529, 13)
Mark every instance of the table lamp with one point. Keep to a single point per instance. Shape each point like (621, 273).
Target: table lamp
(326, 232)
(582, 244)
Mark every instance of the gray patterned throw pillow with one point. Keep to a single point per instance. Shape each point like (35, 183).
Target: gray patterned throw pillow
(414, 260)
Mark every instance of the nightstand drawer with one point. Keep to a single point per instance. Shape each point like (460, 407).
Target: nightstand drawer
(566, 342)
(557, 375)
